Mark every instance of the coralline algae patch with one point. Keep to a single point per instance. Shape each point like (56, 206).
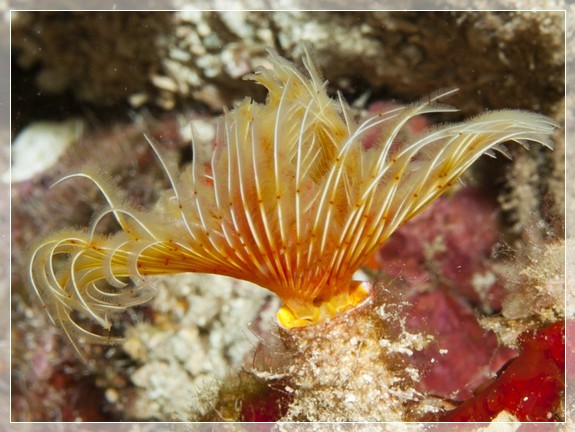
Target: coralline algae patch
(449, 245)
(462, 355)
(530, 387)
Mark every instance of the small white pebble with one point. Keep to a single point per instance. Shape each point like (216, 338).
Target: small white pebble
(40, 145)
(203, 29)
(136, 100)
(165, 83)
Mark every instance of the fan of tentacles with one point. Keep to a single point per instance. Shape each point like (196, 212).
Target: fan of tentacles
(291, 199)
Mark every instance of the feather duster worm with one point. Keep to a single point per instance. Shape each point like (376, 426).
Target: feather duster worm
(290, 200)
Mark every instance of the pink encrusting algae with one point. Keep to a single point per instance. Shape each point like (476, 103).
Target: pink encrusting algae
(290, 199)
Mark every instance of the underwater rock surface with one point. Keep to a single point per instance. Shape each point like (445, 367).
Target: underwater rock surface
(198, 58)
